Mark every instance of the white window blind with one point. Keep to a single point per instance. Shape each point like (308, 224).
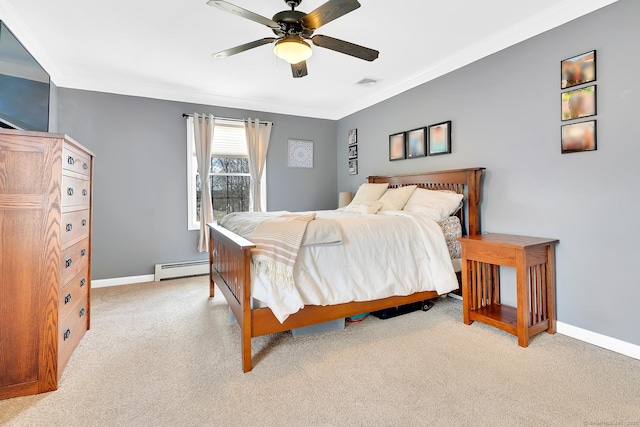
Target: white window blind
(229, 139)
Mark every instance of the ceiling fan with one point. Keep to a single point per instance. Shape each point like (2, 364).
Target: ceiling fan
(292, 27)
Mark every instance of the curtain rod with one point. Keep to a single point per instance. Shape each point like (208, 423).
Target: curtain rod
(225, 118)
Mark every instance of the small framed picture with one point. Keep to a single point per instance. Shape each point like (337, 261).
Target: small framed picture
(300, 154)
(578, 137)
(416, 143)
(353, 136)
(353, 167)
(578, 70)
(579, 103)
(397, 146)
(439, 140)
(353, 152)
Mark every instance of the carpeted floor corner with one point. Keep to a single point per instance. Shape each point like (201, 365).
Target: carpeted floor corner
(164, 354)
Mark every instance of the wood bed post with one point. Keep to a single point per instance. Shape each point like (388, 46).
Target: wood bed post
(212, 285)
(474, 178)
(246, 313)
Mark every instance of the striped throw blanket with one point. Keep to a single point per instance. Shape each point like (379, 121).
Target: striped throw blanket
(277, 243)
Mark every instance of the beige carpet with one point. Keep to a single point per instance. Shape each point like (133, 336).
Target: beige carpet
(164, 354)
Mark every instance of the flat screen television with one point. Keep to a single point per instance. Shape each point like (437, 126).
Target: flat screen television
(24, 86)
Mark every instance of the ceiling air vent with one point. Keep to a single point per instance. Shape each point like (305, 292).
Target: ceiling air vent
(367, 82)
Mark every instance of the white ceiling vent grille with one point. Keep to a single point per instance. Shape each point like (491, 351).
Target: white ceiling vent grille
(367, 82)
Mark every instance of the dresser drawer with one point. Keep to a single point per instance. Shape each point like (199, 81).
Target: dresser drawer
(73, 292)
(75, 191)
(74, 225)
(72, 328)
(73, 260)
(76, 162)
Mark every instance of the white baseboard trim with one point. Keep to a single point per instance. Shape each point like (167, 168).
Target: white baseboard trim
(103, 283)
(600, 340)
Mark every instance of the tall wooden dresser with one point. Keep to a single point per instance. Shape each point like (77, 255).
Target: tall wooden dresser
(45, 257)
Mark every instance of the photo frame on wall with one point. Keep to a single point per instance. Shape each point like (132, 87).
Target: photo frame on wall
(397, 146)
(353, 152)
(353, 167)
(580, 136)
(439, 139)
(300, 154)
(578, 70)
(416, 143)
(352, 137)
(578, 103)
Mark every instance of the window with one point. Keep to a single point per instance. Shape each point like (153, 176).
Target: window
(230, 178)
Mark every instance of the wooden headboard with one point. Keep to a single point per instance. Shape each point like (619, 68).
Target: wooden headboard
(467, 182)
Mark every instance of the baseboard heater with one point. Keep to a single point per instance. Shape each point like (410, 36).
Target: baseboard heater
(174, 270)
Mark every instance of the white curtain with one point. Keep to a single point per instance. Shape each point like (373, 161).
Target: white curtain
(203, 135)
(258, 134)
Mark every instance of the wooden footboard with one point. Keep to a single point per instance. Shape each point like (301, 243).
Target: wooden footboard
(230, 265)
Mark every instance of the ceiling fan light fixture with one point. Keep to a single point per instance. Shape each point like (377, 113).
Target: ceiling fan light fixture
(292, 49)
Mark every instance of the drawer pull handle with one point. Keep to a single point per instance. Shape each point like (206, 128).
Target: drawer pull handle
(83, 282)
(85, 166)
(83, 252)
(70, 160)
(67, 334)
(67, 263)
(84, 192)
(69, 227)
(82, 312)
(84, 222)
(67, 299)
(69, 191)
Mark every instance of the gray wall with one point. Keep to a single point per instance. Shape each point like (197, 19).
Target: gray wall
(506, 117)
(140, 189)
(53, 108)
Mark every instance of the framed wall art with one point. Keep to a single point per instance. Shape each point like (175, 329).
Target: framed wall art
(578, 70)
(397, 146)
(300, 154)
(353, 167)
(353, 152)
(416, 143)
(578, 103)
(439, 139)
(352, 137)
(578, 137)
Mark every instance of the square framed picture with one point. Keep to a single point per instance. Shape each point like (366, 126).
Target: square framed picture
(353, 152)
(353, 136)
(416, 143)
(300, 154)
(578, 70)
(397, 146)
(353, 167)
(579, 103)
(578, 137)
(439, 139)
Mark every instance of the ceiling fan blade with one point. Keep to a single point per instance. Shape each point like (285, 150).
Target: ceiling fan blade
(243, 47)
(326, 13)
(345, 47)
(299, 69)
(244, 13)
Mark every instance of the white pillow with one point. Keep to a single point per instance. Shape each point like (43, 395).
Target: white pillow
(369, 192)
(438, 205)
(394, 199)
(363, 207)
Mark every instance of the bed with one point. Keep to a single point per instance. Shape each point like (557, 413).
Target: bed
(230, 264)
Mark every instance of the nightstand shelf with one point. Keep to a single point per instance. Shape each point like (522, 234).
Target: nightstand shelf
(534, 261)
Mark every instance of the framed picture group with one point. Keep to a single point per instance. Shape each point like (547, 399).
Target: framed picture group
(352, 143)
(425, 141)
(578, 101)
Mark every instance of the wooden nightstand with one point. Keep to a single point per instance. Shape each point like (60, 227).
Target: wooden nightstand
(534, 261)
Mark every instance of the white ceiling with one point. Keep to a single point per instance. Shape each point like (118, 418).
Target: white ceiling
(162, 48)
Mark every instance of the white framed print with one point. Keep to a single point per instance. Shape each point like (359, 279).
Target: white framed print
(300, 154)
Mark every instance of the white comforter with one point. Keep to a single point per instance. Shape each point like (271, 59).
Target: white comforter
(390, 253)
